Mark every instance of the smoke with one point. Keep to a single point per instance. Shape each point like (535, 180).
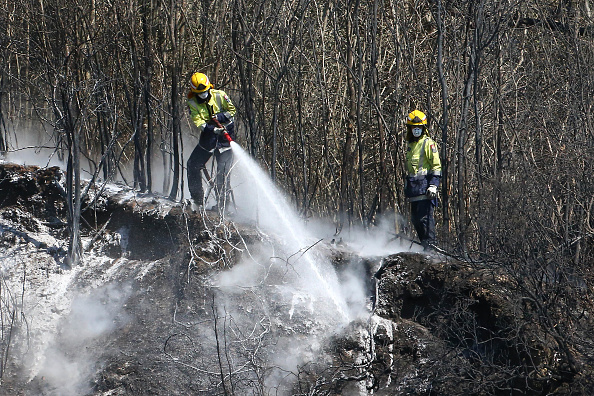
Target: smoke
(280, 310)
(289, 282)
(281, 304)
(263, 204)
(75, 352)
(380, 240)
(31, 143)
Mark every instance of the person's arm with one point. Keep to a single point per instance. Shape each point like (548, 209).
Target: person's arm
(434, 171)
(198, 114)
(227, 114)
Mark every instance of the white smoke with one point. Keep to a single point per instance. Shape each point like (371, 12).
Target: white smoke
(73, 354)
(289, 281)
(262, 203)
(31, 143)
(293, 298)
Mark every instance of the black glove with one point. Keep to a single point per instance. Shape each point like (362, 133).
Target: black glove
(219, 131)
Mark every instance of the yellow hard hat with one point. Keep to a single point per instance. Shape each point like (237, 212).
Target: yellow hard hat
(200, 83)
(416, 117)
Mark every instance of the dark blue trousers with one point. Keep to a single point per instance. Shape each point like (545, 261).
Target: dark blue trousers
(197, 161)
(423, 220)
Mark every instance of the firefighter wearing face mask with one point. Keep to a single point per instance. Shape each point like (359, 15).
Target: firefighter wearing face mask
(206, 105)
(423, 176)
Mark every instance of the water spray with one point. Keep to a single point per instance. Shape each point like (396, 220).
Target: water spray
(260, 180)
(289, 224)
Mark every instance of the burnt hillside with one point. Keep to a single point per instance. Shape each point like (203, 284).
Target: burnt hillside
(170, 302)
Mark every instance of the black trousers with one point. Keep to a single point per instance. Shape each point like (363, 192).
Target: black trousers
(423, 220)
(197, 162)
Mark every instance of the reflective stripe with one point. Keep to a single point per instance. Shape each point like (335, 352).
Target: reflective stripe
(193, 104)
(194, 107)
(219, 100)
(422, 158)
(423, 172)
(419, 176)
(418, 198)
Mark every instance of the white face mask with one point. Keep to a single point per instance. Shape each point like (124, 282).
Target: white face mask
(417, 132)
(203, 95)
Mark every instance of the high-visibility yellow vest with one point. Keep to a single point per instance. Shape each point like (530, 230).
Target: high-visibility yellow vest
(219, 102)
(423, 166)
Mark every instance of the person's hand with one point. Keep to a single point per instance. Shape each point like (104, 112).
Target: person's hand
(219, 131)
(432, 191)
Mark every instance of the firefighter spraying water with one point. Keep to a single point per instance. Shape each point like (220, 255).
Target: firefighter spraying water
(212, 111)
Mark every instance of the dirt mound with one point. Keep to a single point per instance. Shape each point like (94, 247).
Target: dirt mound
(156, 309)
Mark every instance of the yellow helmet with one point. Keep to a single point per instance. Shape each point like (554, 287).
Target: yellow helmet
(200, 83)
(416, 118)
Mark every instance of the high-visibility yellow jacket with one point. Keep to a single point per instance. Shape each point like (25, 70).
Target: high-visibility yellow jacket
(218, 105)
(423, 167)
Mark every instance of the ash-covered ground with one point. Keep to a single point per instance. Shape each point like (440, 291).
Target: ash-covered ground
(172, 302)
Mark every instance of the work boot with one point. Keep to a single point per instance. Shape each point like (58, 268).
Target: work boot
(427, 246)
(196, 207)
(228, 210)
(192, 205)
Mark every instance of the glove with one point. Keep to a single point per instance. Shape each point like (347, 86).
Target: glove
(432, 191)
(219, 131)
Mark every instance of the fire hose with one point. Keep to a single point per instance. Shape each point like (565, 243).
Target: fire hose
(219, 125)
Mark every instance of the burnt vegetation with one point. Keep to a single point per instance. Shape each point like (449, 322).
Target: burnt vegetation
(322, 89)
